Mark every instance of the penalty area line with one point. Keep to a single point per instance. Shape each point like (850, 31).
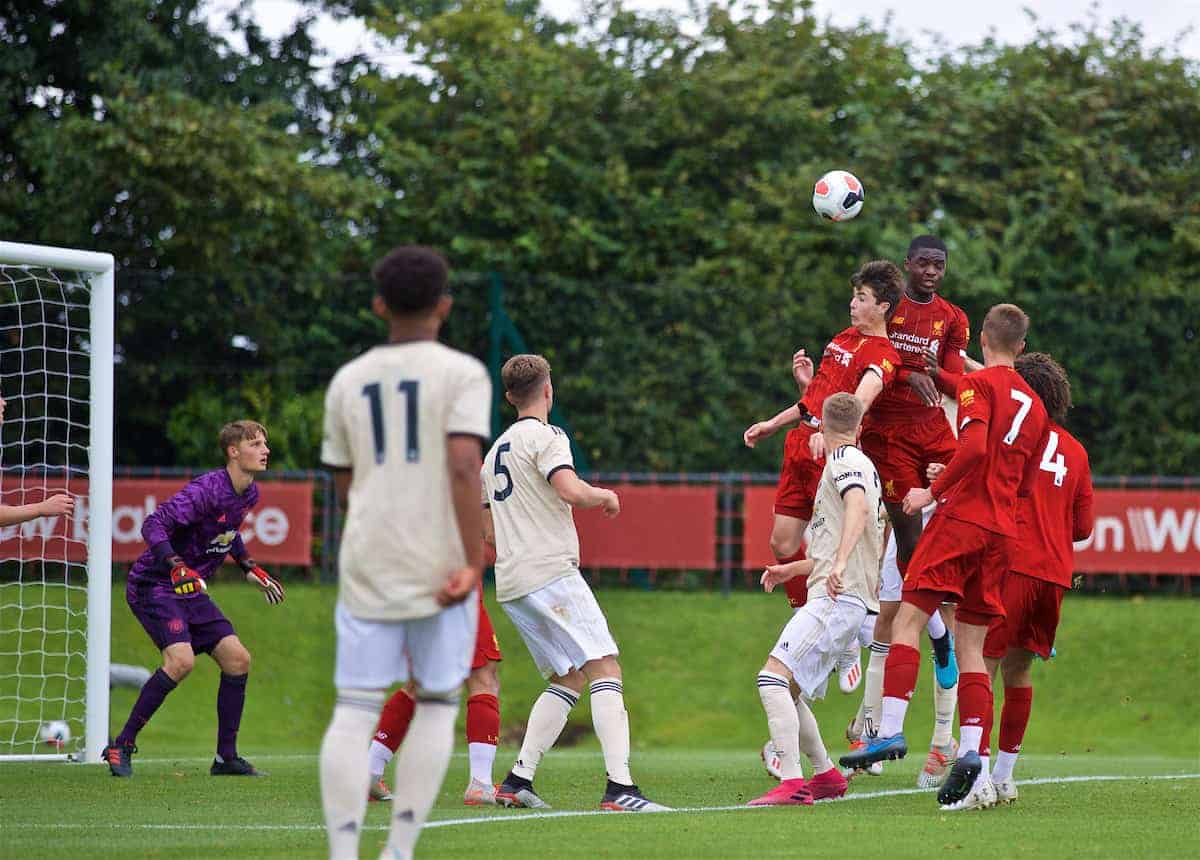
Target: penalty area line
(567, 813)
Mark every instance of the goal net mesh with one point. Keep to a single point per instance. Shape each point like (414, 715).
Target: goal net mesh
(44, 380)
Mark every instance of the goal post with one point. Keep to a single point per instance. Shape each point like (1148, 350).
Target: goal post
(43, 292)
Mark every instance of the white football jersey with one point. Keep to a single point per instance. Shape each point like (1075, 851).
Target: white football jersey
(847, 467)
(536, 541)
(387, 416)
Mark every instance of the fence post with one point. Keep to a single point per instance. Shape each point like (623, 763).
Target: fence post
(726, 533)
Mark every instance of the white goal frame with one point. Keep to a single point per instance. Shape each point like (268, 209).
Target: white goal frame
(100, 476)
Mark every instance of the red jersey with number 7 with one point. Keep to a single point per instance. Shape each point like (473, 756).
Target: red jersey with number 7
(1017, 429)
(1056, 513)
(846, 358)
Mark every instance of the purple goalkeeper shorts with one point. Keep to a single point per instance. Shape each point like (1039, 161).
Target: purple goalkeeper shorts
(169, 618)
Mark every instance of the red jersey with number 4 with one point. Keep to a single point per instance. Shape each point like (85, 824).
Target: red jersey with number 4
(1017, 429)
(846, 358)
(914, 329)
(1056, 513)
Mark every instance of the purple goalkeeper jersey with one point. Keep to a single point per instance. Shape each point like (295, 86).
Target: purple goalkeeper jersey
(200, 524)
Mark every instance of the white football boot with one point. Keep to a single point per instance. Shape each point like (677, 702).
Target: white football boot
(849, 669)
(771, 760)
(1006, 790)
(981, 796)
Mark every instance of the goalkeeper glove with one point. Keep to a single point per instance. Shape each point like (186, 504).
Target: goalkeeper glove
(184, 580)
(271, 587)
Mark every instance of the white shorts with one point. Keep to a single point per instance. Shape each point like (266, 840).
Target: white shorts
(890, 580)
(562, 625)
(817, 634)
(436, 652)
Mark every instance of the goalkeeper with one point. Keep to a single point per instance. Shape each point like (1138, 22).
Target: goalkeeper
(188, 537)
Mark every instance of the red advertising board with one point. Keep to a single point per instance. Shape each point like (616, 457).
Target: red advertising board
(1143, 531)
(277, 531)
(672, 527)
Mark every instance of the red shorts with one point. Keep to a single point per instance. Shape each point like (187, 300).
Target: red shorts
(958, 562)
(902, 452)
(797, 591)
(1032, 608)
(487, 646)
(798, 476)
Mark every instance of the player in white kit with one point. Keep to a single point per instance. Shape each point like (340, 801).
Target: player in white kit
(529, 488)
(404, 429)
(843, 584)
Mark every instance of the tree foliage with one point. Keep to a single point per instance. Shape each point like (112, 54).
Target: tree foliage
(640, 182)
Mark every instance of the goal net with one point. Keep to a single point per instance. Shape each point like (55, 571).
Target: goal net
(56, 367)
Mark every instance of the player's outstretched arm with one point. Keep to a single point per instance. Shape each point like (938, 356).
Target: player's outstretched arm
(853, 524)
(762, 429)
(60, 504)
(777, 574)
(578, 493)
(464, 455)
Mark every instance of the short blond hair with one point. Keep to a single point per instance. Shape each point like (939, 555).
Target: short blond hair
(1006, 326)
(236, 432)
(841, 413)
(523, 376)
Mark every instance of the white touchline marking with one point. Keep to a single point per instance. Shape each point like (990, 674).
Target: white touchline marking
(572, 813)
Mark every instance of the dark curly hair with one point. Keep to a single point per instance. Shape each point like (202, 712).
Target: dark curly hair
(411, 279)
(1049, 382)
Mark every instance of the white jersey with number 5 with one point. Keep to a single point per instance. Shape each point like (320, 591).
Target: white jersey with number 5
(536, 541)
(387, 416)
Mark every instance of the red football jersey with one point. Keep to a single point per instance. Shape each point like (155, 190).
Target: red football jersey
(1017, 430)
(846, 358)
(1057, 512)
(914, 329)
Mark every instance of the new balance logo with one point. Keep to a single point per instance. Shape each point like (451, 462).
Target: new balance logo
(971, 721)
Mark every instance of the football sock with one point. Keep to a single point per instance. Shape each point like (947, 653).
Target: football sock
(343, 768)
(782, 721)
(393, 722)
(899, 680)
(546, 722)
(148, 701)
(810, 738)
(231, 699)
(378, 759)
(873, 687)
(420, 769)
(944, 703)
(612, 727)
(1014, 717)
(974, 699)
(936, 627)
(483, 733)
(858, 726)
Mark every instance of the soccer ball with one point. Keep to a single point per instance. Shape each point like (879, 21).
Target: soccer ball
(56, 733)
(838, 195)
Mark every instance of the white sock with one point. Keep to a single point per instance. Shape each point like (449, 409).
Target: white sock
(969, 738)
(873, 688)
(936, 626)
(858, 726)
(612, 727)
(343, 768)
(944, 703)
(546, 722)
(985, 771)
(810, 738)
(378, 759)
(892, 721)
(1005, 761)
(421, 764)
(782, 721)
(482, 757)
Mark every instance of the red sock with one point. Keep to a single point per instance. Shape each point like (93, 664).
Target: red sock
(393, 722)
(900, 672)
(989, 717)
(1018, 702)
(974, 700)
(483, 719)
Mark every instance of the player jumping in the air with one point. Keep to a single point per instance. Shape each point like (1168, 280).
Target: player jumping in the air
(483, 720)
(530, 486)
(842, 573)
(963, 554)
(188, 537)
(859, 360)
(404, 427)
(1057, 512)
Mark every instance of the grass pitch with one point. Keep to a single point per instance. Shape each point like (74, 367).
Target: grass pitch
(1112, 750)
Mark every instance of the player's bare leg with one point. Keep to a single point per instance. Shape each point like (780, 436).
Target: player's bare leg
(546, 722)
(483, 730)
(1016, 670)
(233, 658)
(787, 536)
(178, 660)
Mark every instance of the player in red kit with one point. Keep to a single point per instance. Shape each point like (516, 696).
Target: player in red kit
(1057, 512)
(906, 431)
(859, 360)
(963, 554)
